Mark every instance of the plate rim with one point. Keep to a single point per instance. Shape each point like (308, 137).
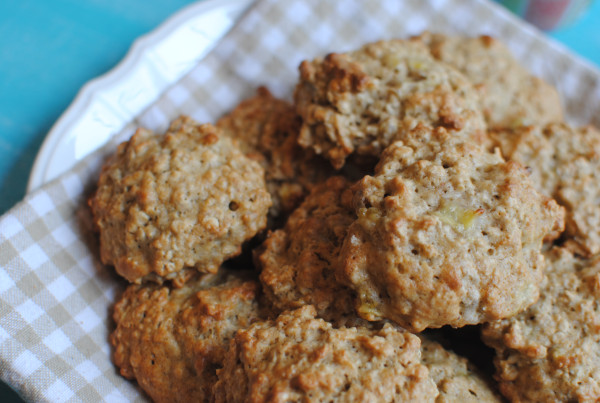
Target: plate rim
(134, 57)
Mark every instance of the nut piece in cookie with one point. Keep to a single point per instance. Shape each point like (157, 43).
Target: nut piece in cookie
(173, 340)
(447, 234)
(564, 163)
(299, 358)
(298, 262)
(510, 95)
(266, 129)
(551, 352)
(457, 380)
(361, 101)
(168, 204)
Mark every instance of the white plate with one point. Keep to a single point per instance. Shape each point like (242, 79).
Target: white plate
(154, 62)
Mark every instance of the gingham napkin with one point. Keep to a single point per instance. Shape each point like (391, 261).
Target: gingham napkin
(55, 296)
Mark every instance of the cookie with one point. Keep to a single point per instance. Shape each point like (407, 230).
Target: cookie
(266, 129)
(261, 124)
(361, 101)
(510, 96)
(447, 234)
(166, 205)
(298, 261)
(173, 340)
(299, 358)
(457, 380)
(564, 163)
(551, 352)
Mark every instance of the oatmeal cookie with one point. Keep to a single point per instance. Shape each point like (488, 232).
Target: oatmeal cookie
(447, 234)
(297, 262)
(359, 102)
(173, 340)
(300, 358)
(262, 124)
(188, 199)
(510, 96)
(456, 379)
(266, 129)
(551, 352)
(564, 163)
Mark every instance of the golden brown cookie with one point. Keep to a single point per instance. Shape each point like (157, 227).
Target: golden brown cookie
(188, 199)
(173, 340)
(299, 358)
(564, 163)
(298, 261)
(361, 101)
(510, 96)
(457, 380)
(447, 234)
(266, 129)
(551, 352)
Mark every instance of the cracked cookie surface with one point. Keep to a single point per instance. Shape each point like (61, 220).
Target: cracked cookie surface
(361, 101)
(447, 234)
(173, 340)
(564, 162)
(267, 129)
(166, 205)
(299, 358)
(457, 379)
(510, 96)
(298, 261)
(551, 352)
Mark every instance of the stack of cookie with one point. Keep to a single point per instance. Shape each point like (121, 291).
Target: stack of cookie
(412, 185)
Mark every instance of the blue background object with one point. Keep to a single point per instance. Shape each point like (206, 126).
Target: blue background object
(583, 37)
(49, 49)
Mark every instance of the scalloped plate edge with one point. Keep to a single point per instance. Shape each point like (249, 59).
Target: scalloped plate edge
(155, 61)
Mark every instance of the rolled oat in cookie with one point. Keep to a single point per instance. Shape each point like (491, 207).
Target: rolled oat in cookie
(551, 352)
(266, 129)
(361, 101)
(173, 340)
(298, 262)
(169, 205)
(564, 162)
(299, 358)
(457, 380)
(447, 234)
(510, 96)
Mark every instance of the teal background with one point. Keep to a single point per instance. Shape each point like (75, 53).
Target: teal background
(50, 48)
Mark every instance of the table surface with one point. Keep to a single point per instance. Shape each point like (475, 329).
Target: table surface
(49, 49)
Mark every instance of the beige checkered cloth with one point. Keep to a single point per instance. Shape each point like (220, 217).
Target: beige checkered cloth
(55, 296)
